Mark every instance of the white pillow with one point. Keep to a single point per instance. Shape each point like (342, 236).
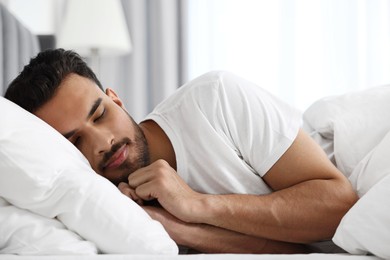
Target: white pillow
(356, 122)
(365, 227)
(43, 172)
(26, 233)
(374, 167)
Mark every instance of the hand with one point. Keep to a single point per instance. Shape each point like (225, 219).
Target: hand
(160, 181)
(130, 192)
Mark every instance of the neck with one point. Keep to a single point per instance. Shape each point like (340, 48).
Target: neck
(160, 147)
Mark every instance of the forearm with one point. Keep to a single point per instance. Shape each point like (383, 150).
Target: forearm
(208, 239)
(309, 211)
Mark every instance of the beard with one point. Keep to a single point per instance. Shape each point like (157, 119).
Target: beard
(139, 155)
(141, 147)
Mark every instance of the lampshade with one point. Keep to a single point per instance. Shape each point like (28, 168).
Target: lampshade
(94, 25)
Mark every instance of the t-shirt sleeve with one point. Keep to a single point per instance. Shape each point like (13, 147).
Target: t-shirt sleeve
(261, 126)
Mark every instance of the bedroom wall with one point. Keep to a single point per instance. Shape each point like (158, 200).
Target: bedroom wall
(37, 15)
(40, 16)
(300, 50)
(18, 45)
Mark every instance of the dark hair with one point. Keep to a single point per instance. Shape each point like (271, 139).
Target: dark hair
(38, 81)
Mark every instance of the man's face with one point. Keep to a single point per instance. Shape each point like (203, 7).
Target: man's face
(97, 124)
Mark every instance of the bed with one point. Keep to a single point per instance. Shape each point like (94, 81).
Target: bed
(198, 257)
(53, 206)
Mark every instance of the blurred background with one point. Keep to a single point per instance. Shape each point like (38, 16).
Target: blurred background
(300, 50)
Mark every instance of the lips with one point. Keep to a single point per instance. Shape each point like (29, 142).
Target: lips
(117, 158)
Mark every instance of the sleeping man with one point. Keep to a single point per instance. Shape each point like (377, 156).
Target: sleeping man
(228, 163)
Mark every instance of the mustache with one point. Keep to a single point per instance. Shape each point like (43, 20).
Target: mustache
(114, 149)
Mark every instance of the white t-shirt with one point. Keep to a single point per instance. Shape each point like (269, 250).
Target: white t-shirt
(226, 132)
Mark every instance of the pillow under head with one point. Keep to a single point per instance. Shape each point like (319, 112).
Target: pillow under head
(44, 173)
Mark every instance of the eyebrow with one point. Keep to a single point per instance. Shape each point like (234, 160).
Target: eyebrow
(94, 107)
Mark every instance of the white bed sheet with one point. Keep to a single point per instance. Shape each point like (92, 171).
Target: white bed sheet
(198, 257)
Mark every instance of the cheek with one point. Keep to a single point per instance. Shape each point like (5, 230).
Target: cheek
(123, 124)
(92, 159)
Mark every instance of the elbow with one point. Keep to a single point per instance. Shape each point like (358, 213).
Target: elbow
(339, 200)
(347, 197)
(343, 201)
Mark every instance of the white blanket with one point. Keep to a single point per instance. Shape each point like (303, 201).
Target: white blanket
(354, 130)
(353, 123)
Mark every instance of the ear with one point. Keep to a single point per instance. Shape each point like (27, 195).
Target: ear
(111, 93)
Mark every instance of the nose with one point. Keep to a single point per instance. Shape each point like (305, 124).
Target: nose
(101, 140)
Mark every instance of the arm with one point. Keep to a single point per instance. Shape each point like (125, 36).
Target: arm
(208, 239)
(311, 196)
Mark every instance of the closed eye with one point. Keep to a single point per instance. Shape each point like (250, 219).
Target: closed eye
(100, 116)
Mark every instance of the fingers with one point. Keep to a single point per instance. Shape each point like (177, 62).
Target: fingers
(139, 177)
(157, 170)
(129, 192)
(147, 191)
(160, 181)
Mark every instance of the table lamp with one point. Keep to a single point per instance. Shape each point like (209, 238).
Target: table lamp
(95, 28)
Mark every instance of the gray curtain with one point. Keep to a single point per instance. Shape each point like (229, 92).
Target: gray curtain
(155, 67)
(17, 46)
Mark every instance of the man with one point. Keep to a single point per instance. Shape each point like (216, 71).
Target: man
(227, 161)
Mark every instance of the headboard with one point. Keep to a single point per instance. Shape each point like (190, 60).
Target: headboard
(17, 46)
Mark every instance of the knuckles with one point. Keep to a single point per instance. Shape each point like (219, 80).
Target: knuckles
(161, 167)
(161, 163)
(159, 175)
(162, 171)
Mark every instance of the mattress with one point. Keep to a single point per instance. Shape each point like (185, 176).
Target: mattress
(196, 257)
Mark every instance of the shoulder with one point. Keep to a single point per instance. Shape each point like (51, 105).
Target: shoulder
(216, 75)
(204, 82)
(200, 89)
(214, 84)
(206, 92)
(221, 78)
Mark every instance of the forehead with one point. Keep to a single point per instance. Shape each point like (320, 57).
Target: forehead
(71, 103)
(74, 85)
